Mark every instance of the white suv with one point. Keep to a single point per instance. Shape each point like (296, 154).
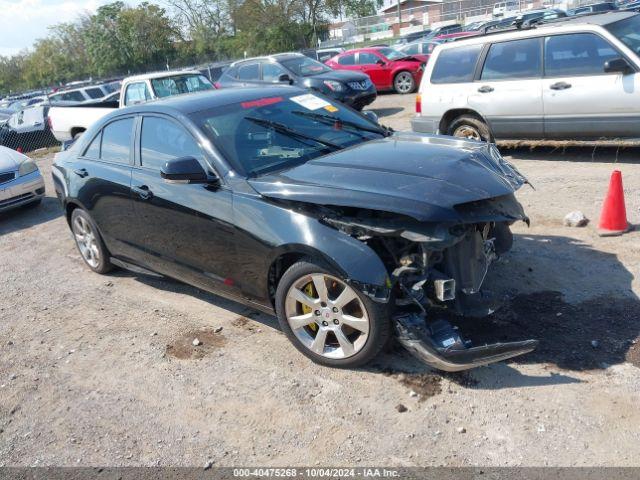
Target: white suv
(572, 79)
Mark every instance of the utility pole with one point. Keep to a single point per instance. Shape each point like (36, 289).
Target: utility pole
(399, 18)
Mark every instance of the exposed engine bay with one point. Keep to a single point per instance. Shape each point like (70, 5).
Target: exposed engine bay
(438, 266)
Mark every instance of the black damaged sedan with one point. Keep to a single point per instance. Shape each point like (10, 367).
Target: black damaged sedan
(292, 203)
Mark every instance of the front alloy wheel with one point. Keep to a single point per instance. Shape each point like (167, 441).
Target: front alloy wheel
(404, 83)
(327, 319)
(327, 316)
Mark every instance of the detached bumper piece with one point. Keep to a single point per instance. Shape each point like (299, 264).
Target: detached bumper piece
(440, 346)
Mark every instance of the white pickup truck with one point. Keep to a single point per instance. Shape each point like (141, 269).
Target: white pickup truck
(69, 121)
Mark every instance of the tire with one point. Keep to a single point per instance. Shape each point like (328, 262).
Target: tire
(404, 83)
(89, 242)
(469, 127)
(361, 323)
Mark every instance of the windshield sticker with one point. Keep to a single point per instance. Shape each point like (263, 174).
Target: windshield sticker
(262, 102)
(331, 108)
(310, 101)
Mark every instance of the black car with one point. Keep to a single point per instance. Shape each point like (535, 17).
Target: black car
(352, 88)
(289, 202)
(444, 30)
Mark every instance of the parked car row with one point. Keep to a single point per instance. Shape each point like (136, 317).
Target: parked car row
(575, 79)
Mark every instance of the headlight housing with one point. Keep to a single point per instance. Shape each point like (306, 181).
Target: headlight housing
(334, 86)
(27, 167)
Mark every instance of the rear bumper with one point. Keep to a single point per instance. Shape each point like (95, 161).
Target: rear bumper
(424, 124)
(21, 191)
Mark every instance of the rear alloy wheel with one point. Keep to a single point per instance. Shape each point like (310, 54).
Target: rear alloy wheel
(327, 319)
(404, 83)
(471, 128)
(89, 242)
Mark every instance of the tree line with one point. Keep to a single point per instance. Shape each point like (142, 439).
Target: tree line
(119, 39)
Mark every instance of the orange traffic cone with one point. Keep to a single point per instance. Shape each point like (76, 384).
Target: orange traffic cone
(613, 220)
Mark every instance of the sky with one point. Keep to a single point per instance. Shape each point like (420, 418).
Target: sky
(24, 21)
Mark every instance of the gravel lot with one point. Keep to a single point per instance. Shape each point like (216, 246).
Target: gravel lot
(100, 370)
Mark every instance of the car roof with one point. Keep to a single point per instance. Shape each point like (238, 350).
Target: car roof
(599, 19)
(274, 57)
(160, 74)
(194, 102)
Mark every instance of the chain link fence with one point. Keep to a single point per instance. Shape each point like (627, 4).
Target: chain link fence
(27, 130)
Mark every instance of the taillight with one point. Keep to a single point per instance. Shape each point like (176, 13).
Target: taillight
(418, 103)
(217, 85)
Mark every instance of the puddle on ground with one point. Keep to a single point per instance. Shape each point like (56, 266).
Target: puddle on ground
(183, 348)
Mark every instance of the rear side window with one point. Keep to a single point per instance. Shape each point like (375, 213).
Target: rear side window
(72, 96)
(576, 54)
(513, 60)
(93, 150)
(347, 59)
(94, 92)
(116, 141)
(456, 65)
(249, 72)
(163, 140)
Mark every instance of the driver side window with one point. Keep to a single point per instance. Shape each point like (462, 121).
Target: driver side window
(271, 72)
(162, 140)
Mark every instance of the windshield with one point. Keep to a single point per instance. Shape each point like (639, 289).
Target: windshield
(305, 66)
(391, 53)
(178, 84)
(280, 131)
(628, 32)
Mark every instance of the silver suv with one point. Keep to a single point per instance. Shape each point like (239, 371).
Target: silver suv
(571, 79)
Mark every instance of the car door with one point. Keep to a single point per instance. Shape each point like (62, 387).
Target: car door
(508, 92)
(101, 175)
(377, 67)
(580, 99)
(184, 229)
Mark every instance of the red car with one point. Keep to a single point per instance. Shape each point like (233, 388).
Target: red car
(388, 69)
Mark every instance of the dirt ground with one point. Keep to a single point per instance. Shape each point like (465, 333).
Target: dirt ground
(100, 370)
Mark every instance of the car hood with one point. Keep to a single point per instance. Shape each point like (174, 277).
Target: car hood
(10, 160)
(425, 177)
(341, 76)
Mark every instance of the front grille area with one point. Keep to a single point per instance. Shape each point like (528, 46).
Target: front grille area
(7, 177)
(363, 85)
(20, 198)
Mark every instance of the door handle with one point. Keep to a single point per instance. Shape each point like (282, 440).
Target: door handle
(143, 192)
(560, 86)
(485, 89)
(81, 172)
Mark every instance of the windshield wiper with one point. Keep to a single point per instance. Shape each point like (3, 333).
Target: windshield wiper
(384, 131)
(281, 128)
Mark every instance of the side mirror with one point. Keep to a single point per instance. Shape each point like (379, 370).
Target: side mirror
(617, 65)
(184, 170)
(380, 62)
(285, 78)
(371, 116)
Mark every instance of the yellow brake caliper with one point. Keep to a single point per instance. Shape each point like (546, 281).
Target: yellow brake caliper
(309, 290)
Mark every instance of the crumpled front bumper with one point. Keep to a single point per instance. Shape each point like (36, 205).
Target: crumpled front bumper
(21, 191)
(452, 354)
